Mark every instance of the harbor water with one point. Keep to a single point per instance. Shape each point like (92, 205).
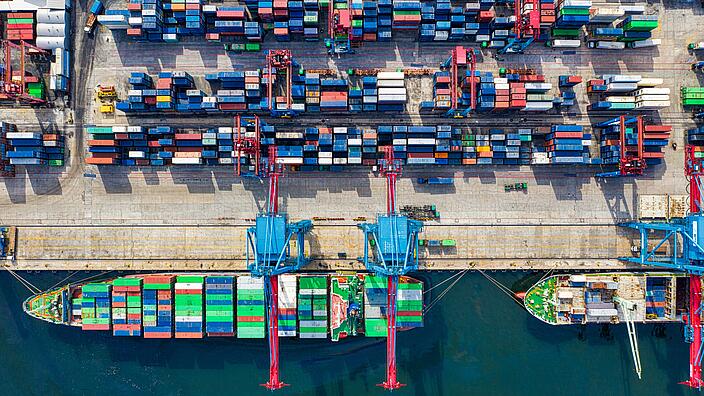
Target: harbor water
(476, 341)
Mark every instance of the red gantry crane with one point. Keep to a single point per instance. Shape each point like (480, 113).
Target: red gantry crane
(395, 241)
(16, 90)
(247, 142)
(631, 158)
(527, 26)
(458, 58)
(280, 63)
(339, 29)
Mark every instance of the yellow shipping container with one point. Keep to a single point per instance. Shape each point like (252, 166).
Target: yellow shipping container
(163, 98)
(483, 149)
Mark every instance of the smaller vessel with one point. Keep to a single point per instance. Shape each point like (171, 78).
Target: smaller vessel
(655, 297)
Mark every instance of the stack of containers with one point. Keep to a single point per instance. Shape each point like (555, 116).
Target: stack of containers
(313, 306)
(604, 15)
(572, 14)
(229, 21)
(189, 306)
(695, 138)
(19, 26)
(6, 167)
(370, 22)
(638, 27)
(652, 98)
(692, 96)
(375, 315)
(420, 145)
(157, 306)
(127, 307)
(427, 27)
(339, 146)
(384, 19)
(503, 98)
(400, 142)
(409, 309)
(60, 70)
(119, 20)
(288, 297)
(312, 85)
(567, 144)
(369, 93)
(251, 315)
(525, 135)
(27, 148)
(95, 306)
(369, 143)
(52, 29)
(76, 308)
(537, 96)
(333, 96)
(441, 90)
(406, 14)
(655, 137)
(391, 91)
(219, 306)
(547, 13)
(655, 298)
(486, 97)
(325, 146)
(310, 20)
(628, 92)
(469, 148)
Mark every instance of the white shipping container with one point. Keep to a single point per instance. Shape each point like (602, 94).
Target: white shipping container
(533, 86)
(324, 154)
(289, 160)
(136, 154)
(298, 106)
(645, 43)
(620, 99)
(502, 86)
(209, 8)
(386, 75)
(622, 78)
(650, 82)
(602, 312)
(610, 45)
(225, 161)
(399, 142)
(48, 16)
(251, 73)
(135, 129)
(566, 43)
(653, 91)
(501, 80)
(656, 98)
(339, 161)
(50, 43)
(247, 282)
(23, 135)
(391, 98)
(288, 287)
(354, 142)
(482, 37)
(420, 141)
(537, 106)
(185, 161)
(354, 161)
(369, 99)
(134, 21)
(225, 130)
(289, 135)
(652, 105)
(210, 99)
(325, 161)
(621, 87)
(188, 286)
(51, 30)
(119, 129)
(577, 3)
(189, 319)
(339, 130)
(390, 83)
(391, 91)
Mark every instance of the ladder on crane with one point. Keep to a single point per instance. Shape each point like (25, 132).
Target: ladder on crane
(628, 309)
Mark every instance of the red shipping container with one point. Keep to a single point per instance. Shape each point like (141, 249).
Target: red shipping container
(659, 136)
(100, 161)
(121, 136)
(658, 128)
(156, 335)
(518, 103)
(197, 7)
(188, 335)
(568, 135)
(134, 32)
(190, 291)
(134, 6)
(518, 96)
(501, 92)
(442, 79)
(117, 304)
(105, 155)
(22, 15)
(188, 136)
(486, 16)
(250, 319)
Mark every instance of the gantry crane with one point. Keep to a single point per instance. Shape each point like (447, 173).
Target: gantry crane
(631, 161)
(248, 143)
(458, 57)
(268, 256)
(686, 239)
(280, 62)
(526, 28)
(395, 253)
(9, 89)
(339, 30)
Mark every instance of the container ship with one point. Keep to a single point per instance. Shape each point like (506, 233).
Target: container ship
(659, 297)
(230, 305)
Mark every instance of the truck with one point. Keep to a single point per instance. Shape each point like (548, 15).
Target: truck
(696, 46)
(8, 242)
(95, 9)
(436, 180)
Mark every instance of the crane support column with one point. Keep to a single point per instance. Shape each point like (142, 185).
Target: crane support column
(391, 382)
(272, 294)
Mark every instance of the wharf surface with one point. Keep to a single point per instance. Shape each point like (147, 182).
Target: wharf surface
(217, 247)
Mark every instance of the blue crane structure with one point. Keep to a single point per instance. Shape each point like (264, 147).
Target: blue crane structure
(526, 28)
(269, 255)
(686, 239)
(394, 239)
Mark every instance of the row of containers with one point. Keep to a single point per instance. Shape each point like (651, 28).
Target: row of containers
(624, 92)
(194, 306)
(29, 148)
(246, 92)
(47, 27)
(322, 148)
(490, 23)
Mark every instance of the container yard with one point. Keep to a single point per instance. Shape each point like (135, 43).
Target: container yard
(282, 173)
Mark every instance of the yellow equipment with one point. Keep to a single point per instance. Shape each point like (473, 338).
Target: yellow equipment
(107, 108)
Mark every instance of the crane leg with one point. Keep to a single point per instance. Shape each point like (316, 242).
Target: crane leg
(391, 382)
(695, 320)
(273, 333)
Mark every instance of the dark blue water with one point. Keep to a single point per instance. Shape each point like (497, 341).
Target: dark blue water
(476, 341)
